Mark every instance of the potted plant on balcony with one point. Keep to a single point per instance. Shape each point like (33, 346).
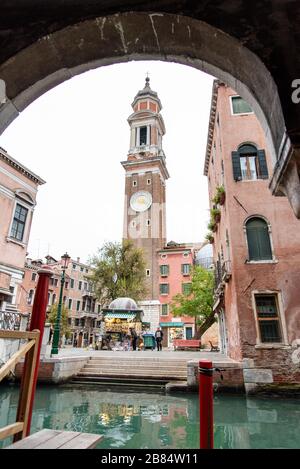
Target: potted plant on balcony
(210, 238)
(215, 215)
(212, 226)
(220, 196)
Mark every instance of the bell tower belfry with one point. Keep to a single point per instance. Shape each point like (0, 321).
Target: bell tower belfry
(145, 183)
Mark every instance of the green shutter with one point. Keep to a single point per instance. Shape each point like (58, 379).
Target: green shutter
(236, 166)
(258, 240)
(263, 168)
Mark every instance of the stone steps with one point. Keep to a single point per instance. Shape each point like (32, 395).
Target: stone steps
(108, 381)
(132, 371)
(136, 366)
(127, 373)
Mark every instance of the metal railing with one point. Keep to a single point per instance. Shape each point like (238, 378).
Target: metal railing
(222, 273)
(10, 320)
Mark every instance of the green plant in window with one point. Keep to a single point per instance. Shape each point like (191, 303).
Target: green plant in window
(215, 214)
(210, 237)
(220, 195)
(212, 226)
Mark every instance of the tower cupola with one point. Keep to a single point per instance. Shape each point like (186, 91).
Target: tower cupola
(146, 124)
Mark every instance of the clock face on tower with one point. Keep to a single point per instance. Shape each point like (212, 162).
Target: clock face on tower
(141, 201)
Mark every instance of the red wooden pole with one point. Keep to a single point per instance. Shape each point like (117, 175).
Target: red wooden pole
(206, 404)
(38, 317)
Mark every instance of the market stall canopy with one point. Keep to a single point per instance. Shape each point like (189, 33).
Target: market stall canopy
(120, 316)
(171, 324)
(125, 304)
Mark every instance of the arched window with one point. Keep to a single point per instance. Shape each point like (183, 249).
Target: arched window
(258, 237)
(30, 297)
(249, 163)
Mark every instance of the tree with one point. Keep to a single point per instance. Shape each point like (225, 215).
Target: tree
(199, 302)
(52, 315)
(119, 270)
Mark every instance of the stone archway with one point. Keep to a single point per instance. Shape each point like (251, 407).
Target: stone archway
(105, 40)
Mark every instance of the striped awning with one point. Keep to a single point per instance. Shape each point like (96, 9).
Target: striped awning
(120, 316)
(171, 324)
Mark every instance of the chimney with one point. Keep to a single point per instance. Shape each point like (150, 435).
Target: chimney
(78, 259)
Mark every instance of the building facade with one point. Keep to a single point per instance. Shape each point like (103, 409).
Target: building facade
(175, 268)
(84, 311)
(18, 192)
(256, 243)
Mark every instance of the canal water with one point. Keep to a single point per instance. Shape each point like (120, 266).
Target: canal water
(152, 421)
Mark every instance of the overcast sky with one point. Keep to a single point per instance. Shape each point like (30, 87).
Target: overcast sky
(75, 136)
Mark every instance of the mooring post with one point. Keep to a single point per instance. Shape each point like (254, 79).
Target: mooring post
(206, 404)
(37, 321)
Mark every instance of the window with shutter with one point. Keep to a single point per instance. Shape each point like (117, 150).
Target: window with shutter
(249, 164)
(262, 162)
(236, 166)
(268, 318)
(258, 238)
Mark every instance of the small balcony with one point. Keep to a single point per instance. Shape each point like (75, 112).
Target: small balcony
(223, 275)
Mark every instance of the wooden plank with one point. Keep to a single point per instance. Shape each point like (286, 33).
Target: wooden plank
(4, 334)
(54, 439)
(27, 387)
(34, 440)
(58, 440)
(83, 441)
(11, 363)
(10, 430)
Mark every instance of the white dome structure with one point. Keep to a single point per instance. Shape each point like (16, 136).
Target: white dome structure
(123, 304)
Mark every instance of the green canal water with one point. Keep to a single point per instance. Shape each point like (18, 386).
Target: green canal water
(147, 420)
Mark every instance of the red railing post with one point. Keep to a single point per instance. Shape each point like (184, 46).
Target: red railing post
(206, 404)
(38, 317)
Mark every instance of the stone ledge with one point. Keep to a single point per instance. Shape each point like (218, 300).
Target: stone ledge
(258, 376)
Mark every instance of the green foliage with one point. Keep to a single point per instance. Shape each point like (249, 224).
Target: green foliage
(209, 237)
(215, 212)
(211, 226)
(127, 262)
(51, 317)
(199, 304)
(220, 191)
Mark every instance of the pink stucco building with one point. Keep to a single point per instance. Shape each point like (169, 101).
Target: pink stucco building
(18, 191)
(175, 267)
(256, 243)
(84, 313)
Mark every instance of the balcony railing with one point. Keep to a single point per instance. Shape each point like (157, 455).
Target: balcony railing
(10, 320)
(222, 273)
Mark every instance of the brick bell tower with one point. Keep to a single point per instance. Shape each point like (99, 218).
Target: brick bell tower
(145, 184)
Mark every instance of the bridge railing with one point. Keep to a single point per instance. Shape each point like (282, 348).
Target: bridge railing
(30, 350)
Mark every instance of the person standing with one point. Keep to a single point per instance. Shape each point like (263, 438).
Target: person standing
(159, 337)
(134, 337)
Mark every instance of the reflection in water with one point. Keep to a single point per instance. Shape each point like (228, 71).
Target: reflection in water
(145, 420)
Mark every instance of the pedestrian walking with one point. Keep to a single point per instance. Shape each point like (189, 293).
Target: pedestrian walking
(134, 337)
(159, 337)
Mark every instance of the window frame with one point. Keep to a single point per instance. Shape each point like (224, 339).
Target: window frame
(281, 319)
(160, 289)
(189, 269)
(241, 113)
(25, 231)
(274, 260)
(183, 286)
(161, 268)
(162, 310)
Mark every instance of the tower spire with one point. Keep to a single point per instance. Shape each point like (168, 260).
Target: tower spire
(147, 82)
